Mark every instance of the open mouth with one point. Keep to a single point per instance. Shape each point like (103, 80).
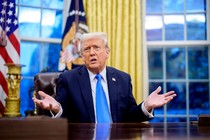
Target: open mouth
(93, 60)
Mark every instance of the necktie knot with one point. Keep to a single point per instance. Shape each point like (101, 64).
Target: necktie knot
(98, 77)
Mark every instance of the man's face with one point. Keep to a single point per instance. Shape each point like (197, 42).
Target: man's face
(94, 54)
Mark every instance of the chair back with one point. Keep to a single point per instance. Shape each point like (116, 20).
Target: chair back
(45, 82)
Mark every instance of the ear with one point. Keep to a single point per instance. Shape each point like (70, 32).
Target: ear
(82, 56)
(107, 52)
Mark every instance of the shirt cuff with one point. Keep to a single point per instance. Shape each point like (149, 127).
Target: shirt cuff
(147, 113)
(58, 115)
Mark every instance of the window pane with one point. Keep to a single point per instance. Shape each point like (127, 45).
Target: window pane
(154, 27)
(196, 27)
(57, 4)
(193, 119)
(29, 22)
(183, 69)
(49, 50)
(31, 2)
(199, 98)
(175, 63)
(155, 64)
(37, 57)
(154, 6)
(157, 119)
(52, 24)
(153, 86)
(26, 94)
(30, 56)
(178, 105)
(174, 27)
(195, 5)
(173, 6)
(198, 63)
(177, 119)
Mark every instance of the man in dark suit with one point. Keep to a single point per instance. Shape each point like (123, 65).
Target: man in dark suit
(76, 89)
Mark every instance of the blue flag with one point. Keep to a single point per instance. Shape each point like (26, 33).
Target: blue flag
(75, 27)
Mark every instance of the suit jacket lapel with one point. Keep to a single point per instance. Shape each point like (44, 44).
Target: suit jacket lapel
(112, 87)
(85, 86)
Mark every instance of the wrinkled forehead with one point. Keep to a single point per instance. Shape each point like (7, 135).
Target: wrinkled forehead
(92, 42)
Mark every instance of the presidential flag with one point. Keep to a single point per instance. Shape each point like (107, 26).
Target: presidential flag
(9, 45)
(74, 28)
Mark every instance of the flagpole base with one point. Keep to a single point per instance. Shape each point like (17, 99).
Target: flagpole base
(12, 107)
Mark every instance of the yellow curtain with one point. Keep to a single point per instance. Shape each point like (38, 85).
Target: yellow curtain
(121, 21)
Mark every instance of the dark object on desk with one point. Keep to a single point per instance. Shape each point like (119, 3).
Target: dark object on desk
(45, 82)
(204, 120)
(33, 128)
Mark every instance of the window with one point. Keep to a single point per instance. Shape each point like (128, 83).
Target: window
(40, 26)
(177, 41)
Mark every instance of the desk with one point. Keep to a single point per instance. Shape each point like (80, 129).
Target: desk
(59, 129)
(33, 128)
(143, 131)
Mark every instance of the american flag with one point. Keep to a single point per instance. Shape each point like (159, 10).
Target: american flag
(9, 45)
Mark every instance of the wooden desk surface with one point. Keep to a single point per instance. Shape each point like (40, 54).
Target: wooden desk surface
(33, 128)
(143, 131)
(59, 129)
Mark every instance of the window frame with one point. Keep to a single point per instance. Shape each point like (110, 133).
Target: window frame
(41, 40)
(168, 44)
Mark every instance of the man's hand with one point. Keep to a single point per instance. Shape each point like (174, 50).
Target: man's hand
(157, 100)
(47, 102)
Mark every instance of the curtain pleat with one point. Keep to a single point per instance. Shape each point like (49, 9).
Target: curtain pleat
(121, 21)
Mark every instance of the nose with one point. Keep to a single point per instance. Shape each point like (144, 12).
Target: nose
(92, 51)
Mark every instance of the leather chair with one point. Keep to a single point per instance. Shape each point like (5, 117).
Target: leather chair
(45, 82)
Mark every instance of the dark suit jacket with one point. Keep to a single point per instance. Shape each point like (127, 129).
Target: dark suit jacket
(75, 96)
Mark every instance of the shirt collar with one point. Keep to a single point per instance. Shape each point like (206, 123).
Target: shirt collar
(92, 75)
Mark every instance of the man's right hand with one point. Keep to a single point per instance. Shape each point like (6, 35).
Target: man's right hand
(47, 102)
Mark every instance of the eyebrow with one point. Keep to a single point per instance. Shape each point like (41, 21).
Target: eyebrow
(89, 45)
